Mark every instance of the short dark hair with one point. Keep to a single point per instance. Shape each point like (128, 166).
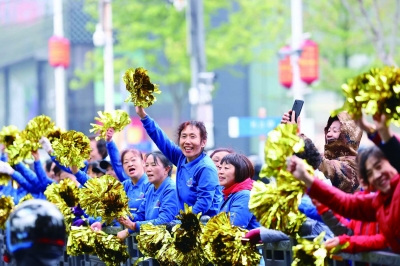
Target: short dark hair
(243, 167)
(310, 154)
(102, 148)
(362, 158)
(134, 151)
(48, 165)
(162, 158)
(198, 124)
(228, 150)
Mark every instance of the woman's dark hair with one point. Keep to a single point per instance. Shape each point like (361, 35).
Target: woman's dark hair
(48, 165)
(243, 167)
(162, 158)
(102, 149)
(362, 158)
(134, 151)
(198, 124)
(228, 150)
(310, 154)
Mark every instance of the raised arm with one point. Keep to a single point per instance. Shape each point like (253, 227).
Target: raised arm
(115, 157)
(352, 206)
(44, 181)
(166, 146)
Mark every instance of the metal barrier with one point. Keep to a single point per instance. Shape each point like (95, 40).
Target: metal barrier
(274, 254)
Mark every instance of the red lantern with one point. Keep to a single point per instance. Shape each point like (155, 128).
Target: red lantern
(308, 62)
(285, 68)
(59, 51)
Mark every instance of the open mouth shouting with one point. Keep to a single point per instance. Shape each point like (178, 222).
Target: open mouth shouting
(131, 170)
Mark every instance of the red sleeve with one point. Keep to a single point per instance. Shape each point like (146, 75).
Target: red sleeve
(363, 243)
(375, 138)
(358, 207)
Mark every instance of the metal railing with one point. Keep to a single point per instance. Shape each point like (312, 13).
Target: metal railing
(274, 254)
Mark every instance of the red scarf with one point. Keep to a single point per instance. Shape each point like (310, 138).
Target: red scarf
(247, 184)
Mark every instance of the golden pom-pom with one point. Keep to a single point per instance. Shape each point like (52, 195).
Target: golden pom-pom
(6, 207)
(4, 179)
(72, 148)
(152, 238)
(64, 195)
(276, 207)
(308, 253)
(222, 243)
(110, 249)
(25, 198)
(19, 150)
(36, 128)
(187, 238)
(8, 134)
(376, 92)
(54, 134)
(117, 120)
(104, 197)
(81, 240)
(282, 142)
(138, 84)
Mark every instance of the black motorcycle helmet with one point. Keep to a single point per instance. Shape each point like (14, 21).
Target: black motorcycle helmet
(36, 231)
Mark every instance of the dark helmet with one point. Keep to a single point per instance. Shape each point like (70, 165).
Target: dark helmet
(34, 224)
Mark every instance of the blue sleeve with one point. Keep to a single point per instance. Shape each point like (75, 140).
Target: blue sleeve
(29, 175)
(140, 214)
(206, 186)
(309, 209)
(3, 157)
(23, 182)
(82, 177)
(62, 167)
(240, 214)
(41, 174)
(167, 212)
(116, 160)
(166, 146)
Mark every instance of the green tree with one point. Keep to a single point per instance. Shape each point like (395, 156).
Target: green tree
(346, 29)
(158, 32)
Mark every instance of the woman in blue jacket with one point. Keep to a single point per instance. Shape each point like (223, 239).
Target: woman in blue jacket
(235, 172)
(160, 205)
(196, 177)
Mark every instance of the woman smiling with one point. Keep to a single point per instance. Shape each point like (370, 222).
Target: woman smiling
(234, 174)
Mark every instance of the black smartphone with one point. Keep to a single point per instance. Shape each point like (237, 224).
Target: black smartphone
(297, 106)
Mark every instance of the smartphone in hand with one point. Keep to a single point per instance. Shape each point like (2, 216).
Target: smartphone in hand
(297, 106)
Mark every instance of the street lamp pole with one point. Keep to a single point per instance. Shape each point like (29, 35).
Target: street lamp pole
(296, 41)
(108, 56)
(59, 71)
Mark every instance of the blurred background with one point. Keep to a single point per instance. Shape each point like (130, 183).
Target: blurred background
(237, 65)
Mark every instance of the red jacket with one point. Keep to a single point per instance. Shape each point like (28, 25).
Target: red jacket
(362, 236)
(385, 209)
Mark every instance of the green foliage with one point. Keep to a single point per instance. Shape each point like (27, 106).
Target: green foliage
(159, 32)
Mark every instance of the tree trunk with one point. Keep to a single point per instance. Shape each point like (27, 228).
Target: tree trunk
(178, 93)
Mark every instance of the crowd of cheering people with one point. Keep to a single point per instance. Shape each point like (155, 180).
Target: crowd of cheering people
(358, 202)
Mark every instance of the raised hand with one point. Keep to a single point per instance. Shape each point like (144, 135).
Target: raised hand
(140, 111)
(109, 134)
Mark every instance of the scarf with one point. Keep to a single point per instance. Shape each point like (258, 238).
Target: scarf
(247, 184)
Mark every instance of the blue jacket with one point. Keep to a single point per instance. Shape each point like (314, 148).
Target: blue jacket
(197, 181)
(16, 193)
(29, 176)
(82, 177)
(309, 209)
(26, 186)
(237, 205)
(66, 169)
(136, 193)
(3, 157)
(159, 207)
(115, 159)
(44, 181)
